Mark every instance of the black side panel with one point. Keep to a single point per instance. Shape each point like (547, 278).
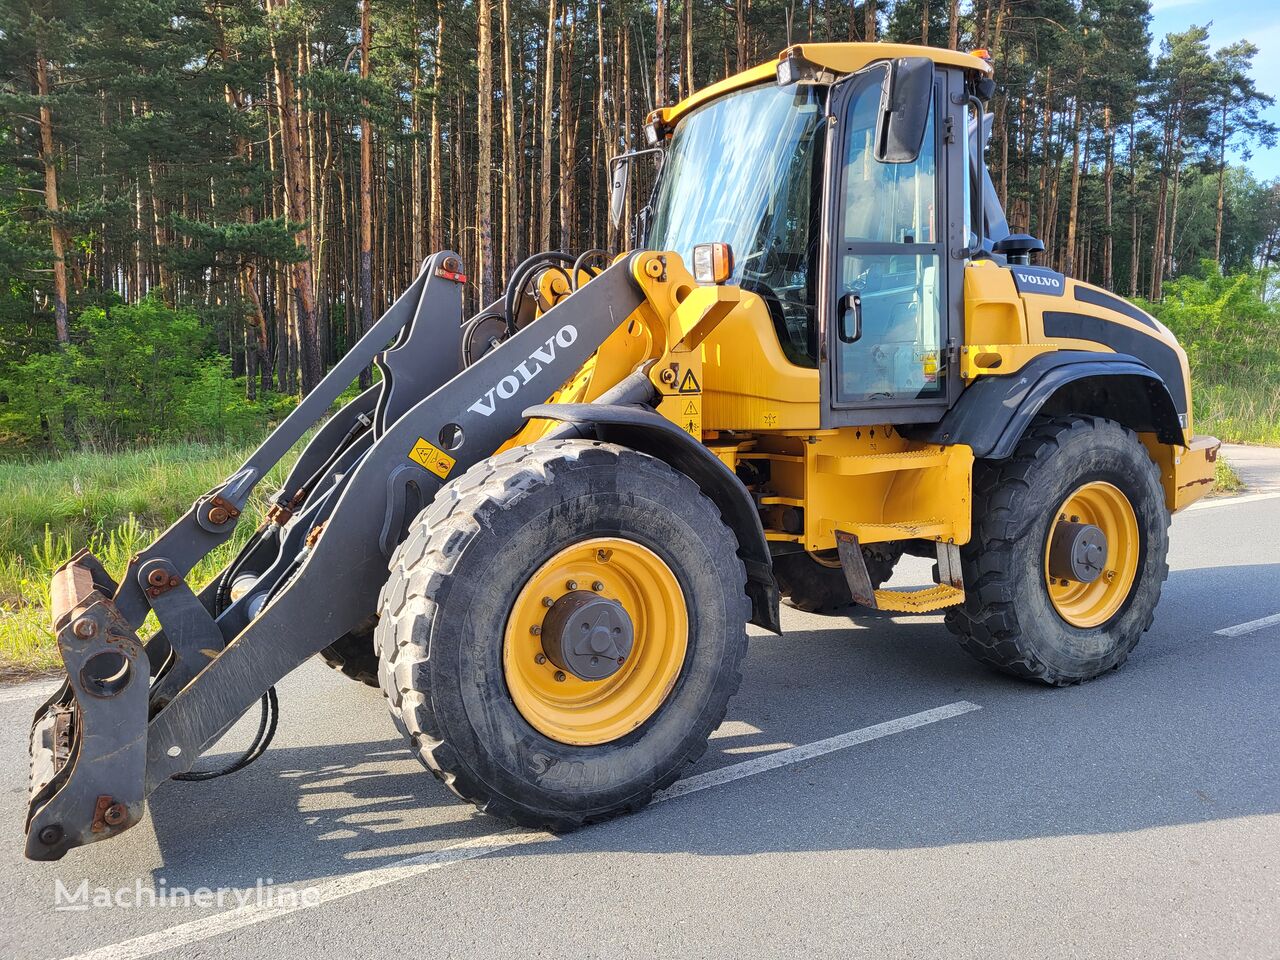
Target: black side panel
(1156, 354)
(993, 413)
(1105, 300)
(641, 429)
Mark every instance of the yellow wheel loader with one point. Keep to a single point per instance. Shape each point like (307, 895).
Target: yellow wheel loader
(544, 531)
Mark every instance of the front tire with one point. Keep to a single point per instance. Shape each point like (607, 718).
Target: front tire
(465, 678)
(353, 654)
(1060, 630)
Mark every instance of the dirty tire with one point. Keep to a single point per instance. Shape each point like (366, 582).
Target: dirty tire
(354, 654)
(810, 585)
(453, 583)
(1008, 620)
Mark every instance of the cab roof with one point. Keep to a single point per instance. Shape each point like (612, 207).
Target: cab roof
(839, 58)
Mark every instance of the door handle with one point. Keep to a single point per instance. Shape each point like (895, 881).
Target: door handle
(849, 323)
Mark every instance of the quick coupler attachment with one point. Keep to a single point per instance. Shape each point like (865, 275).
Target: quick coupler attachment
(89, 740)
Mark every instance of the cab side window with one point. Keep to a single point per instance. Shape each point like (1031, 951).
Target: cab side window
(890, 262)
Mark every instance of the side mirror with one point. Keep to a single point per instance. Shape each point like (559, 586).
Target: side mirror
(618, 188)
(905, 100)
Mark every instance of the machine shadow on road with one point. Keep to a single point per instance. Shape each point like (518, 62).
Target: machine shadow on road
(1139, 748)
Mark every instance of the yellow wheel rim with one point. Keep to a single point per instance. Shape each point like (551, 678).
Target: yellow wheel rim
(586, 712)
(1107, 508)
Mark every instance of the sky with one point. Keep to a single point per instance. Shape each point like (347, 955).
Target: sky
(1231, 20)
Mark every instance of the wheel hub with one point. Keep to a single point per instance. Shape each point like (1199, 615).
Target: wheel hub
(587, 635)
(1091, 554)
(1077, 551)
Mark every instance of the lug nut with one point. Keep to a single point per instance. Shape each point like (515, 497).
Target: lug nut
(571, 585)
(85, 629)
(535, 630)
(548, 602)
(559, 676)
(539, 658)
(597, 586)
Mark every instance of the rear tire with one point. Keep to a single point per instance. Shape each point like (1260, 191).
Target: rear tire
(1010, 620)
(818, 584)
(448, 608)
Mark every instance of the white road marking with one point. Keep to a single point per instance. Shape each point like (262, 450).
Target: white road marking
(807, 751)
(1240, 629)
(1232, 501)
(207, 927)
(28, 691)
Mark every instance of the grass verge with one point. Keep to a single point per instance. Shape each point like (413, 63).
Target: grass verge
(112, 503)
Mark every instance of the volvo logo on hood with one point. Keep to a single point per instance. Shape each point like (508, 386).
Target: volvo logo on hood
(524, 371)
(1041, 280)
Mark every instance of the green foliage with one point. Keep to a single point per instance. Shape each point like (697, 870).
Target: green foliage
(1231, 334)
(134, 373)
(113, 503)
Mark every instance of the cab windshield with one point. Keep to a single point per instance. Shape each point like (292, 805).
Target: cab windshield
(745, 170)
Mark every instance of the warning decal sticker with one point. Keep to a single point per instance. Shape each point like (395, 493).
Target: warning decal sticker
(432, 457)
(690, 383)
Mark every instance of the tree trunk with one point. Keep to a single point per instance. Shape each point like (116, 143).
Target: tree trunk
(1222, 183)
(415, 128)
(548, 103)
(1073, 211)
(307, 332)
(436, 212)
(686, 70)
(510, 202)
(366, 189)
(1108, 189)
(57, 239)
(869, 27)
(660, 55)
(484, 171)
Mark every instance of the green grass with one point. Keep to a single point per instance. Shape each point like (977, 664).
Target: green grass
(1225, 478)
(112, 503)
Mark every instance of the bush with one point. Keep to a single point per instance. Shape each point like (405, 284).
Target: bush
(133, 373)
(1232, 337)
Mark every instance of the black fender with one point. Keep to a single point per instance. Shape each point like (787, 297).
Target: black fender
(992, 414)
(640, 428)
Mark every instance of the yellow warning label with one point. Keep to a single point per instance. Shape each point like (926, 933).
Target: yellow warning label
(690, 383)
(691, 416)
(432, 457)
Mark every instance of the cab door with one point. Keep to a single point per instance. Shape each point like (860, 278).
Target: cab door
(892, 310)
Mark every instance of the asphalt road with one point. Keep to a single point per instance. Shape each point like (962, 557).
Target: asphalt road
(1135, 816)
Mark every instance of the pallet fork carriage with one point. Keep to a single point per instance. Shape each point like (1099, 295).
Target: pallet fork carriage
(585, 492)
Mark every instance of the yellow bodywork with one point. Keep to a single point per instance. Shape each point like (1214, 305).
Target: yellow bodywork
(715, 359)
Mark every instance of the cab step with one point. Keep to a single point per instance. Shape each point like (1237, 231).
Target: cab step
(926, 600)
(947, 593)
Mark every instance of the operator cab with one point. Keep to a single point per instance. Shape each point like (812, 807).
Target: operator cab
(852, 206)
